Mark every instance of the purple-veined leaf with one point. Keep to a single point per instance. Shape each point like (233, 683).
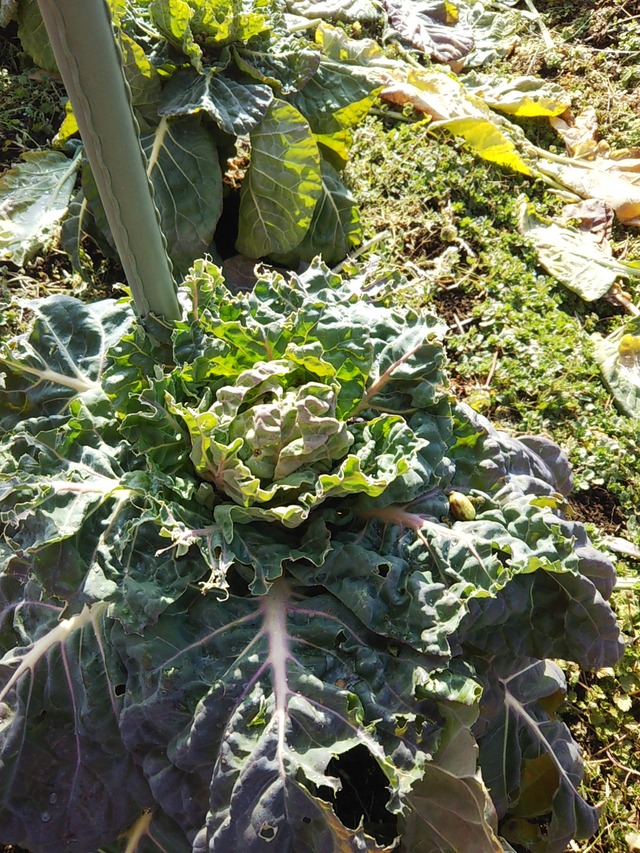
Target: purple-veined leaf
(59, 731)
(519, 722)
(247, 699)
(443, 43)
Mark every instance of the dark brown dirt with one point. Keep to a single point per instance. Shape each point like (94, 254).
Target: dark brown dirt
(599, 507)
(598, 18)
(455, 306)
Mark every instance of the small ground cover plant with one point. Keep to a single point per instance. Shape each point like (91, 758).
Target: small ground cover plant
(247, 548)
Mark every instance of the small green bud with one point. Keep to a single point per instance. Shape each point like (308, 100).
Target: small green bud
(461, 507)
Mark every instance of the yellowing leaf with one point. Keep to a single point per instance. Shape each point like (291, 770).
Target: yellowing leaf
(451, 13)
(489, 141)
(521, 831)
(539, 783)
(629, 351)
(439, 95)
(68, 128)
(526, 97)
(354, 113)
(338, 143)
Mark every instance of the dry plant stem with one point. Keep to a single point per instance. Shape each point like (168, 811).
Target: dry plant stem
(621, 766)
(368, 244)
(546, 35)
(492, 370)
(617, 298)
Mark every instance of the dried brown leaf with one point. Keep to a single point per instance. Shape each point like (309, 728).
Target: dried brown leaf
(595, 218)
(579, 133)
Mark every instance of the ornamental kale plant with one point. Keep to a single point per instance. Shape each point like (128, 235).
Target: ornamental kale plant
(265, 585)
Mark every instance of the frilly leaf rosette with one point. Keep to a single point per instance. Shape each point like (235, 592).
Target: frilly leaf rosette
(259, 553)
(276, 448)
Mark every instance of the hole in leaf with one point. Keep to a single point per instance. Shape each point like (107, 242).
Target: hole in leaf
(502, 556)
(119, 689)
(340, 639)
(364, 794)
(383, 570)
(267, 832)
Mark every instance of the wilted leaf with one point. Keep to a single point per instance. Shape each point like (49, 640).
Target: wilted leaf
(34, 196)
(490, 141)
(439, 95)
(595, 219)
(619, 359)
(598, 179)
(335, 10)
(578, 132)
(573, 256)
(524, 97)
(282, 185)
(623, 546)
